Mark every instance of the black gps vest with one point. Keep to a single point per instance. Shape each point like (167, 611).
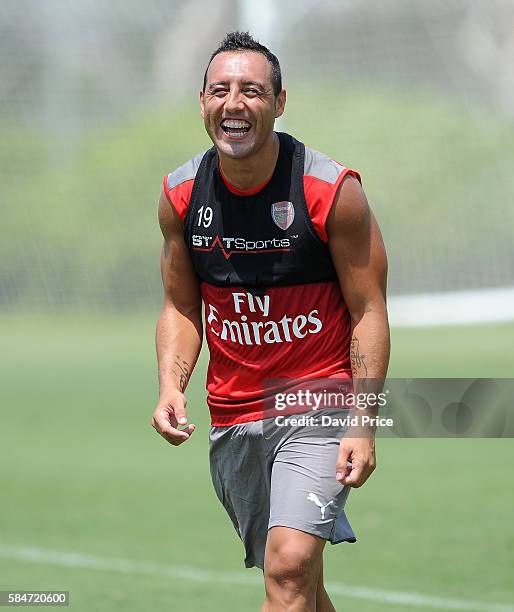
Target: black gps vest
(260, 240)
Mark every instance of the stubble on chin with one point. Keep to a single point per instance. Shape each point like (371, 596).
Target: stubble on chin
(236, 150)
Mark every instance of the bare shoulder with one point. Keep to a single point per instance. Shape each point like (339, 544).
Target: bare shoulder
(169, 220)
(181, 285)
(350, 212)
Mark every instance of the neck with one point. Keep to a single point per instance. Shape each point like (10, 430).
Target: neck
(247, 173)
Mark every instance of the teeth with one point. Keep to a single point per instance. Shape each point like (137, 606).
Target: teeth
(234, 124)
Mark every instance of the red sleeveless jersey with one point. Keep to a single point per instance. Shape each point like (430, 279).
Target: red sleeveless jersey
(273, 306)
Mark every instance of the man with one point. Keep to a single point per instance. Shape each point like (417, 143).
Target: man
(280, 244)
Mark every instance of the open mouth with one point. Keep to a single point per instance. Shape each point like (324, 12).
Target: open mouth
(235, 128)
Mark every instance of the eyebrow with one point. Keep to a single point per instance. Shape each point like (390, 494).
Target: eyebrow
(245, 84)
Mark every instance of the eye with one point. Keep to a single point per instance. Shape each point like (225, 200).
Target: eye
(219, 93)
(251, 91)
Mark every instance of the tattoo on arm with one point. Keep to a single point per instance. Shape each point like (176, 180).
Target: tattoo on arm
(356, 358)
(184, 371)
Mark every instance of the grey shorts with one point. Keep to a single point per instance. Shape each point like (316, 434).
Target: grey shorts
(266, 476)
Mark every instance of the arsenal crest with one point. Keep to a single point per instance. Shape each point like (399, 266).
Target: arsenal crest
(283, 214)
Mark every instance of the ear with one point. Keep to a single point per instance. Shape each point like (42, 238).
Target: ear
(280, 103)
(202, 108)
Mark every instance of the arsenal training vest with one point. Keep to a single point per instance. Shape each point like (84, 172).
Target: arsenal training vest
(273, 306)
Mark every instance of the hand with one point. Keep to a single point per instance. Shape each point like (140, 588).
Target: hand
(169, 415)
(360, 452)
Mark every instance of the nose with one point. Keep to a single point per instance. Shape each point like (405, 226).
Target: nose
(233, 101)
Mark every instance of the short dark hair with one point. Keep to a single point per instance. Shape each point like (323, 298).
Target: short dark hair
(244, 41)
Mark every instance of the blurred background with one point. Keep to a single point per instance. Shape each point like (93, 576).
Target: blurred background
(98, 100)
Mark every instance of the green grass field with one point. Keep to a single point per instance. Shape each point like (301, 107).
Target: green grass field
(83, 472)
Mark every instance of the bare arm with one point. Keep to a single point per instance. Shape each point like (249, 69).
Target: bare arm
(179, 328)
(360, 260)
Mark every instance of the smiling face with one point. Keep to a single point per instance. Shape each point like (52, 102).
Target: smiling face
(238, 105)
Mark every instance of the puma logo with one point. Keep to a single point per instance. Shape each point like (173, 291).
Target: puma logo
(314, 498)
